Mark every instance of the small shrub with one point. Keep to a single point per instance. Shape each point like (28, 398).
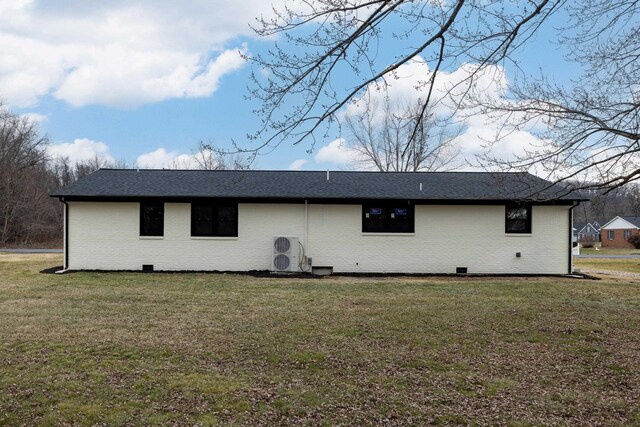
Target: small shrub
(587, 245)
(635, 241)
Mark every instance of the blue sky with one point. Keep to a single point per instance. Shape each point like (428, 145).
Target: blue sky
(125, 80)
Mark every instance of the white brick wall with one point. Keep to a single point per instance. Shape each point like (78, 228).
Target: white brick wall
(106, 236)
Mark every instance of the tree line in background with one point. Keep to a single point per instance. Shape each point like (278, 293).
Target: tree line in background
(378, 134)
(28, 215)
(604, 206)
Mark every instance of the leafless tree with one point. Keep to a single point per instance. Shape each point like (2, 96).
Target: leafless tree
(208, 157)
(633, 198)
(605, 204)
(322, 38)
(589, 129)
(383, 136)
(67, 172)
(26, 211)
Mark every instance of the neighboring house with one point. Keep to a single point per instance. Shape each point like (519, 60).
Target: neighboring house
(589, 232)
(350, 222)
(616, 232)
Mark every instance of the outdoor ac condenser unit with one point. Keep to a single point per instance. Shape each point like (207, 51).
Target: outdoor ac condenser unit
(286, 254)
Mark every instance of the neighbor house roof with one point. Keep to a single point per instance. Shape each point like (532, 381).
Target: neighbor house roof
(635, 220)
(579, 226)
(582, 226)
(254, 184)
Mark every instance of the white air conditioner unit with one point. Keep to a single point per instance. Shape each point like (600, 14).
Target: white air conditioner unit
(286, 254)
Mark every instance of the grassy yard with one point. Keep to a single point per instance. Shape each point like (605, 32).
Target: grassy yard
(607, 251)
(628, 265)
(196, 349)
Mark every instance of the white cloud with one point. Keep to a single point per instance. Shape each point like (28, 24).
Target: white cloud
(410, 86)
(163, 159)
(481, 135)
(119, 53)
(296, 165)
(336, 152)
(410, 83)
(80, 150)
(35, 117)
(147, 79)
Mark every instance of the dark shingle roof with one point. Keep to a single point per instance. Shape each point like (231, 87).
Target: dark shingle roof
(635, 220)
(579, 226)
(582, 225)
(131, 183)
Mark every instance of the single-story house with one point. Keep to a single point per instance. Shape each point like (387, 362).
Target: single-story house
(350, 222)
(616, 232)
(588, 232)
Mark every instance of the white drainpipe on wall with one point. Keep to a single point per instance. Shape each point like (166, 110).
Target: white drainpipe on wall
(306, 229)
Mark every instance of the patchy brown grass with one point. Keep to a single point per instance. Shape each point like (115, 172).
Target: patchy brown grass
(47, 244)
(628, 265)
(610, 251)
(197, 349)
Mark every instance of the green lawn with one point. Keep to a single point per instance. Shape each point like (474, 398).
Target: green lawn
(608, 251)
(629, 265)
(196, 349)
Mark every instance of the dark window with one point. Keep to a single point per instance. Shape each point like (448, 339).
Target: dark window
(388, 218)
(209, 219)
(611, 234)
(627, 234)
(151, 219)
(518, 218)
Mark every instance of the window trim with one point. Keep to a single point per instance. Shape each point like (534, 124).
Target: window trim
(528, 207)
(611, 234)
(215, 205)
(387, 206)
(141, 231)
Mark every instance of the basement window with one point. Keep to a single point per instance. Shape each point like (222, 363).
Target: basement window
(388, 218)
(151, 219)
(214, 220)
(518, 219)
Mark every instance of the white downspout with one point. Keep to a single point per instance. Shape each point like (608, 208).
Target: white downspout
(64, 238)
(306, 229)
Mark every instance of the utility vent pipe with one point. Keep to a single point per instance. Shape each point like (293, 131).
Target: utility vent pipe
(327, 174)
(420, 186)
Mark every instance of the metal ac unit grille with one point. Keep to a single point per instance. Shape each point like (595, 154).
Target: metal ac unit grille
(282, 245)
(285, 254)
(281, 262)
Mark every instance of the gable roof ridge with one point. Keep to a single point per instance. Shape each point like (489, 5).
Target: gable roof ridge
(343, 185)
(637, 225)
(635, 220)
(314, 171)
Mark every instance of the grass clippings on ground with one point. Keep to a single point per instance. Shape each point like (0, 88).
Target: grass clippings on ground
(200, 349)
